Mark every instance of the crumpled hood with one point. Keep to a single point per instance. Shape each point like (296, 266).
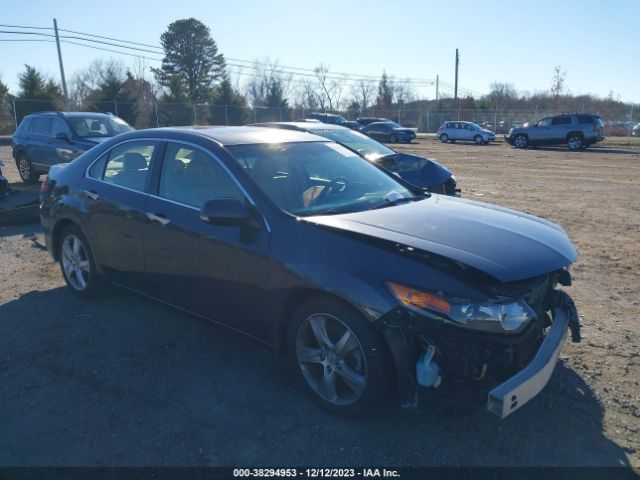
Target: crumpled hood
(506, 244)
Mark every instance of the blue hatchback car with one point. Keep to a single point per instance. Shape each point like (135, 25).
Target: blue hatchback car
(44, 139)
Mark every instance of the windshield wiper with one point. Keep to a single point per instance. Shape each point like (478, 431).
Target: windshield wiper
(397, 201)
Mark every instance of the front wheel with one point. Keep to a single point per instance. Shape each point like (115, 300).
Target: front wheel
(393, 138)
(339, 359)
(25, 169)
(478, 140)
(444, 138)
(521, 141)
(76, 261)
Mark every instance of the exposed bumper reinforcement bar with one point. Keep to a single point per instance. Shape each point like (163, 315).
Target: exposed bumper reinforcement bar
(526, 384)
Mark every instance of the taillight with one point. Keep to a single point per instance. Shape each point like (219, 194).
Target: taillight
(44, 188)
(439, 129)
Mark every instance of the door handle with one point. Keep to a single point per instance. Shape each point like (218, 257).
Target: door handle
(91, 195)
(161, 219)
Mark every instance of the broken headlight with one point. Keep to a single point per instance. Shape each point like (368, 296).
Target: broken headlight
(491, 316)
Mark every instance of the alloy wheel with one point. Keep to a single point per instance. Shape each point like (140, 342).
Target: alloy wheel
(24, 168)
(574, 142)
(75, 262)
(331, 359)
(521, 141)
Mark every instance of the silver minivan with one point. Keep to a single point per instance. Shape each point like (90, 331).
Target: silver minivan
(453, 131)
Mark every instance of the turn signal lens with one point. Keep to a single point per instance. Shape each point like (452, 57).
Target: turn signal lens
(419, 299)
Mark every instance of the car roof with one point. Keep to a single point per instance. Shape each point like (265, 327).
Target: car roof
(381, 123)
(74, 114)
(243, 135)
(302, 126)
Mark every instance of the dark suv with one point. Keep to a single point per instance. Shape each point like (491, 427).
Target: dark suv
(577, 130)
(44, 139)
(333, 119)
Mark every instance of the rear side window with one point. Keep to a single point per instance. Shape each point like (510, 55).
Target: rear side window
(561, 121)
(128, 164)
(41, 126)
(586, 119)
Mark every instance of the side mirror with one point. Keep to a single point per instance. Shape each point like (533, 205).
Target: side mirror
(63, 136)
(226, 212)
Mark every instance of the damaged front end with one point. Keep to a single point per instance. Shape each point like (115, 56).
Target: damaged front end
(507, 346)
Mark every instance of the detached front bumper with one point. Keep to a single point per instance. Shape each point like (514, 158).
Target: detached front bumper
(518, 390)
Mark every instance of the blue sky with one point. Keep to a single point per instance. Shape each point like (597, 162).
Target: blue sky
(595, 42)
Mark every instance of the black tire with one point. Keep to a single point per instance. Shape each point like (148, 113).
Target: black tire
(90, 277)
(393, 138)
(478, 140)
(25, 169)
(375, 362)
(521, 141)
(575, 141)
(444, 138)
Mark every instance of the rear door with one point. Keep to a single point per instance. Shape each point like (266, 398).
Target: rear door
(114, 195)
(560, 127)
(210, 270)
(38, 146)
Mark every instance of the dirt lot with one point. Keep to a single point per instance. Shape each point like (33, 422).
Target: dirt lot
(126, 381)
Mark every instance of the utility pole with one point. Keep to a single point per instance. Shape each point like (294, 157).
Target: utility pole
(437, 87)
(64, 80)
(455, 91)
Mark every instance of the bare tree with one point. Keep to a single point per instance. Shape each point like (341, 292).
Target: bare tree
(363, 93)
(331, 88)
(557, 85)
(502, 95)
(269, 85)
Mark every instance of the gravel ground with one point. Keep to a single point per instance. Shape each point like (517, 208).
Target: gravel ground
(125, 381)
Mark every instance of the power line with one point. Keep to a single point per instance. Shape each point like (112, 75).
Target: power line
(231, 61)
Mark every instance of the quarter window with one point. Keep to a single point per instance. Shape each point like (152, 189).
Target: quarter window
(128, 164)
(192, 177)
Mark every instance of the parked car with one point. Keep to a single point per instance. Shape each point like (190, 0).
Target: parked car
(4, 183)
(364, 121)
(44, 139)
(333, 119)
(389, 132)
(576, 130)
(454, 131)
(376, 289)
(617, 129)
(635, 131)
(416, 170)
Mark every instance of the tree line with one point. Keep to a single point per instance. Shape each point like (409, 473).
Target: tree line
(193, 81)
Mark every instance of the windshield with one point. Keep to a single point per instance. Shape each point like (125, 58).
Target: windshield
(355, 141)
(90, 126)
(313, 178)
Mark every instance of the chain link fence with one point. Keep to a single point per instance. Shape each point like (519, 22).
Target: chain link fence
(162, 114)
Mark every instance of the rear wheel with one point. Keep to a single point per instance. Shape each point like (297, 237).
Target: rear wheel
(338, 357)
(393, 138)
(444, 138)
(574, 141)
(478, 140)
(25, 169)
(521, 141)
(76, 261)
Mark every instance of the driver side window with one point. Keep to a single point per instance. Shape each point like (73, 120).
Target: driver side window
(545, 122)
(191, 177)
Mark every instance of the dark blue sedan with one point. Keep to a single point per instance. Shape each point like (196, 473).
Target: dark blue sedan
(376, 289)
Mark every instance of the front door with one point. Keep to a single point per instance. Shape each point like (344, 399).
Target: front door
(219, 272)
